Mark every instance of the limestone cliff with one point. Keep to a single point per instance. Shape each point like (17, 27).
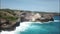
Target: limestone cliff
(9, 19)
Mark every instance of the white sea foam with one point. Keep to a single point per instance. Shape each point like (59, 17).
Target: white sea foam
(23, 26)
(56, 20)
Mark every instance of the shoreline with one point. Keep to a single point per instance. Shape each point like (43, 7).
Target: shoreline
(13, 18)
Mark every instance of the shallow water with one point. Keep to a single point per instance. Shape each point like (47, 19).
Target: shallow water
(37, 28)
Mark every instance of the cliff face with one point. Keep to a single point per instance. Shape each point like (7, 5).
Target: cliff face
(36, 17)
(9, 19)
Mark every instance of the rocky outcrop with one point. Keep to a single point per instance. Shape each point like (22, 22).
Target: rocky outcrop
(37, 17)
(7, 25)
(10, 19)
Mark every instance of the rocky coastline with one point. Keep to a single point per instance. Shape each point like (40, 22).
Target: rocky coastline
(10, 19)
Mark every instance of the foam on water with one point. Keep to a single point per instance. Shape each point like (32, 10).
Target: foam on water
(23, 26)
(56, 20)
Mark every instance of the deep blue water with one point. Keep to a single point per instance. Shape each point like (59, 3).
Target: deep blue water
(47, 28)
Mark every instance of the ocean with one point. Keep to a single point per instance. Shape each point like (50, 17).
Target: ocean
(52, 27)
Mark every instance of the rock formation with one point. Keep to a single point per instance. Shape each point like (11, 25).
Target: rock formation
(10, 19)
(37, 17)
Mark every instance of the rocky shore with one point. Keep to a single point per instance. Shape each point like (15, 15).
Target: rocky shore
(7, 25)
(10, 19)
(36, 17)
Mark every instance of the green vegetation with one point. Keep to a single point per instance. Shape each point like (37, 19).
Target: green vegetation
(11, 14)
(9, 17)
(8, 14)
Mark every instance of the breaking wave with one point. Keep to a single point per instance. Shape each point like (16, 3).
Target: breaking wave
(23, 26)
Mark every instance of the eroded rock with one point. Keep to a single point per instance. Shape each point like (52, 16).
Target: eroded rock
(37, 17)
(7, 25)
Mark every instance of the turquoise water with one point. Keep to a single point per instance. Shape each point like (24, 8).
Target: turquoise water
(47, 28)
